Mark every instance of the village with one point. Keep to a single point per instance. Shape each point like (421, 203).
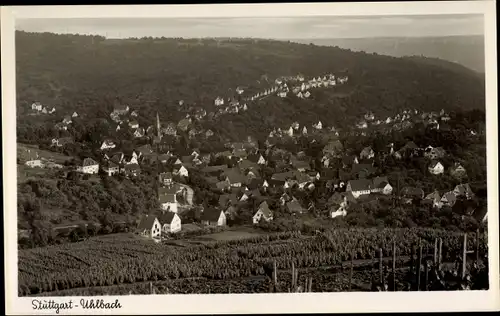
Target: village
(237, 174)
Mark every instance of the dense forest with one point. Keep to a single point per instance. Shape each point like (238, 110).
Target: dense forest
(91, 75)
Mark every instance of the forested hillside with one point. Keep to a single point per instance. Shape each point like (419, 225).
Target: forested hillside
(91, 75)
(465, 50)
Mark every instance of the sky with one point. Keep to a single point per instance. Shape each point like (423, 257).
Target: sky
(264, 27)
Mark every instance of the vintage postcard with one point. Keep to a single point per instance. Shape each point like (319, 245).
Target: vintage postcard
(250, 158)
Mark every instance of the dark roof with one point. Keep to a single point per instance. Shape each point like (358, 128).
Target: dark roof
(210, 169)
(360, 185)
(450, 197)
(225, 198)
(283, 176)
(234, 175)
(132, 166)
(255, 183)
(264, 207)
(240, 153)
(211, 214)
(433, 196)
(167, 198)
(146, 222)
(221, 185)
(275, 183)
(359, 167)
(300, 164)
(167, 217)
(380, 182)
(89, 162)
(301, 177)
(294, 206)
(247, 164)
(146, 149)
(463, 189)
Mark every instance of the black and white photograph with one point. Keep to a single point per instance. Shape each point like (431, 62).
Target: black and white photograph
(233, 152)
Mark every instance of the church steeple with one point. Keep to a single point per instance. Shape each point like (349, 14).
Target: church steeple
(158, 125)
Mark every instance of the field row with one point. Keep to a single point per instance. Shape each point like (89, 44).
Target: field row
(114, 262)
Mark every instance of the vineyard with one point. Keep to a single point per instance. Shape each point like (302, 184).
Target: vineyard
(125, 263)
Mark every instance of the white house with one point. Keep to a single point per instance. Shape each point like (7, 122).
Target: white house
(436, 168)
(381, 185)
(307, 94)
(37, 106)
(110, 168)
(213, 217)
(133, 124)
(263, 213)
(318, 125)
(282, 94)
(219, 101)
(304, 130)
(168, 200)
(74, 114)
(359, 187)
(182, 171)
(89, 166)
(108, 144)
(171, 222)
(149, 226)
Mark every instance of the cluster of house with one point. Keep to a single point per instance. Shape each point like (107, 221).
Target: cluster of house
(169, 222)
(404, 119)
(437, 200)
(37, 107)
(67, 120)
(33, 160)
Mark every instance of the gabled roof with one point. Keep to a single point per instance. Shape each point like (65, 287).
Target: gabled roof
(368, 168)
(283, 176)
(132, 167)
(434, 163)
(434, 196)
(145, 149)
(380, 182)
(264, 207)
(247, 164)
(255, 183)
(167, 198)
(146, 222)
(294, 206)
(211, 214)
(463, 189)
(89, 162)
(450, 197)
(360, 185)
(301, 177)
(167, 217)
(300, 164)
(234, 175)
(225, 198)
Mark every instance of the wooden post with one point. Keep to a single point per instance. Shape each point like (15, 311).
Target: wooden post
(412, 258)
(350, 271)
(296, 278)
(464, 256)
(477, 247)
(440, 256)
(426, 275)
(310, 284)
(150, 287)
(293, 277)
(394, 266)
(435, 252)
(275, 274)
(419, 264)
(381, 266)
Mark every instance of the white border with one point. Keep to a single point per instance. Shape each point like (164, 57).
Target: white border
(257, 303)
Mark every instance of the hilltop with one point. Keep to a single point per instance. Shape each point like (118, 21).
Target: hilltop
(91, 75)
(464, 50)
